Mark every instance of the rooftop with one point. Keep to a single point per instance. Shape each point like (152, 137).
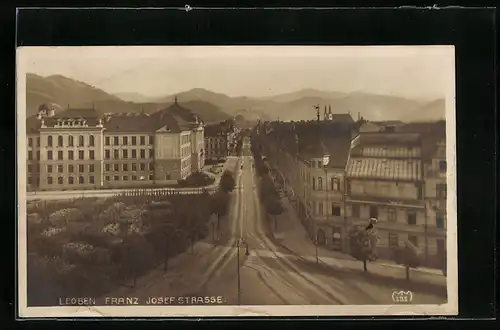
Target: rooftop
(385, 169)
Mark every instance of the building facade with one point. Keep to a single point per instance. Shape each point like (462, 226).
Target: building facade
(80, 149)
(220, 140)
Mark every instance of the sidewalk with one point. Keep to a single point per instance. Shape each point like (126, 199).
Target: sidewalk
(292, 235)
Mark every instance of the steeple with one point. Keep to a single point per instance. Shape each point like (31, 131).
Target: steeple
(329, 109)
(325, 114)
(175, 99)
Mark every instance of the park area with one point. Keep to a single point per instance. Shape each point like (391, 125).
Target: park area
(91, 246)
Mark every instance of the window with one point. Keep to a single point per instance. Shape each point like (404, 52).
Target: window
(38, 154)
(30, 168)
(440, 247)
(107, 140)
(336, 210)
(49, 168)
(81, 180)
(107, 154)
(71, 155)
(125, 154)
(116, 167)
(81, 141)
(134, 140)
(151, 177)
(37, 141)
(442, 165)
(393, 240)
(107, 167)
(143, 166)
(151, 139)
(320, 208)
(71, 168)
(355, 211)
(30, 180)
(413, 239)
(49, 180)
(134, 154)
(440, 220)
(125, 140)
(30, 142)
(125, 178)
(81, 168)
(314, 183)
(49, 141)
(59, 168)
(125, 167)
(116, 154)
(30, 155)
(59, 141)
(91, 168)
(60, 155)
(441, 190)
(80, 154)
(107, 178)
(91, 179)
(134, 167)
(151, 166)
(70, 141)
(420, 192)
(335, 184)
(373, 212)
(134, 178)
(320, 183)
(391, 215)
(151, 153)
(91, 141)
(60, 180)
(37, 168)
(143, 153)
(71, 180)
(412, 217)
(168, 176)
(116, 178)
(115, 140)
(143, 140)
(91, 154)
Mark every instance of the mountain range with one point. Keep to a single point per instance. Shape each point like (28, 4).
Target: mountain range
(215, 107)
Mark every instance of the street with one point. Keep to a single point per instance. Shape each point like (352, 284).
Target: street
(269, 274)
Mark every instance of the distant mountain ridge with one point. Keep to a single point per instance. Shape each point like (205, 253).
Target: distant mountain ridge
(213, 107)
(67, 92)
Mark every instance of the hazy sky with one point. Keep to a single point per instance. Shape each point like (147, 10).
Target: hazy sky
(422, 71)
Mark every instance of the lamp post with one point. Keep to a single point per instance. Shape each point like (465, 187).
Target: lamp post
(238, 245)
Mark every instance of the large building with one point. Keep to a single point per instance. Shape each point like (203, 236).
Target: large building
(220, 140)
(339, 174)
(309, 159)
(81, 149)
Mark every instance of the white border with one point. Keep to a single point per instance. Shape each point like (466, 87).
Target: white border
(450, 308)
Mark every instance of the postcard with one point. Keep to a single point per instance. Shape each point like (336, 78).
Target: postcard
(197, 181)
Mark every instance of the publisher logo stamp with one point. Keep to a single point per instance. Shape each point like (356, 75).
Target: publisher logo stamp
(402, 297)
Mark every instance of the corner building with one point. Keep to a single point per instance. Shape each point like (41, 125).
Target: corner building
(80, 149)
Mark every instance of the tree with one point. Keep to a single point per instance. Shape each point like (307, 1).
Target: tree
(227, 182)
(363, 244)
(220, 205)
(407, 256)
(274, 208)
(135, 255)
(193, 219)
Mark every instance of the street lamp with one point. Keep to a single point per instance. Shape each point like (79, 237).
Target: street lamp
(238, 245)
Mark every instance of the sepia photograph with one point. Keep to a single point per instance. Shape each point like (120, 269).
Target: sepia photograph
(236, 181)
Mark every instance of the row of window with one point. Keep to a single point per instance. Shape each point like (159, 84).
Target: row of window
(71, 168)
(394, 243)
(108, 178)
(125, 167)
(60, 141)
(125, 140)
(411, 215)
(334, 184)
(125, 154)
(71, 155)
(335, 209)
(70, 180)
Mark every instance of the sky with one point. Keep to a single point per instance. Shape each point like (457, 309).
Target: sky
(408, 71)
